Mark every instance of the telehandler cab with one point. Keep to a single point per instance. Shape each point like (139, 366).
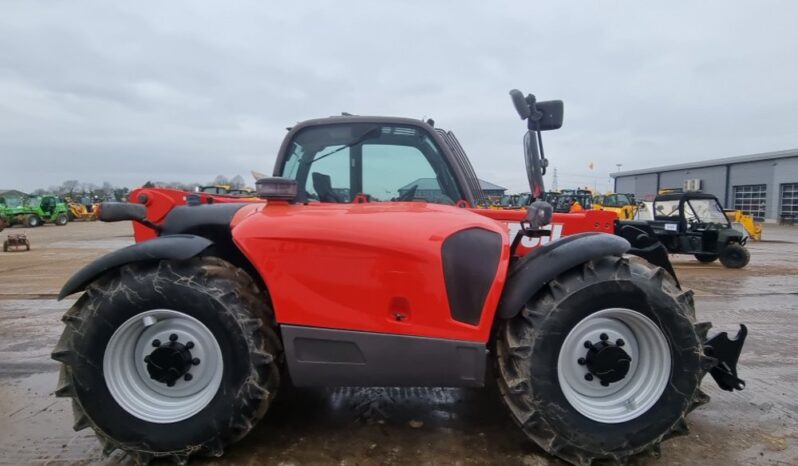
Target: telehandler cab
(179, 343)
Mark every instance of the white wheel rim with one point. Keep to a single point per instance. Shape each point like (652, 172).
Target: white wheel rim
(129, 382)
(647, 377)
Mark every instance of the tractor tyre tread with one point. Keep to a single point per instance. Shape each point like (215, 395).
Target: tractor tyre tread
(518, 339)
(219, 280)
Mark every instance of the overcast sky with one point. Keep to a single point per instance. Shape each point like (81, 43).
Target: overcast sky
(132, 91)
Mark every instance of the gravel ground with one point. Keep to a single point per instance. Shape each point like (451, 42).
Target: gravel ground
(408, 425)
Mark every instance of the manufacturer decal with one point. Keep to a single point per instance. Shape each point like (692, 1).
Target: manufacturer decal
(530, 243)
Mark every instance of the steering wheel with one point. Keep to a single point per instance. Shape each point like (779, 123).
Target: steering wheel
(408, 195)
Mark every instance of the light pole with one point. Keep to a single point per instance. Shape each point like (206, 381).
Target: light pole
(619, 165)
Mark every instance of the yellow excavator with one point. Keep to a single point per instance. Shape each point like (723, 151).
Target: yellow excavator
(753, 228)
(78, 211)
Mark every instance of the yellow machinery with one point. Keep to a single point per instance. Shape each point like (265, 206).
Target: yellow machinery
(753, 228)
(78, 211)
(622, 204)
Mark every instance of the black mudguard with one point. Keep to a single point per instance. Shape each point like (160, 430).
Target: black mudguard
(645, 244)
(527, 276)
(172, 247)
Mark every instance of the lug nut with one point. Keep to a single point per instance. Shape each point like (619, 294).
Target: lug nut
(146, 359)
(190, 345)
(588, 377)
(605, 384)
(188, 377)
(195, 361)
(581, 361)
(604, 337)
(588, 345)
(173, 337)
(620, 342)
(170, 384)
(156, 343)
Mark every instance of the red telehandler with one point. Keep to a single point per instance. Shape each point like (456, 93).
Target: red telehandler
(365, 263)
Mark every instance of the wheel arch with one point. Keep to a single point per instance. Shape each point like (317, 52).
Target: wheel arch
(172, 247)
(531, 272)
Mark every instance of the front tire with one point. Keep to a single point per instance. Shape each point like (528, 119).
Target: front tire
(61, 220)
(735, 256)
(33, 221)
(582, 406)
(170, 359)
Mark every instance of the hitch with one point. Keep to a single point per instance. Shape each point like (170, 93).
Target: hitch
(726, 351)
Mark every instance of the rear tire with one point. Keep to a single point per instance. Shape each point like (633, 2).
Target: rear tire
(543, 378)
(735, 256)
(33, 221)
(109, 345)
(706, 258)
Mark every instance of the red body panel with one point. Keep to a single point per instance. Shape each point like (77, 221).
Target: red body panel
(353, 266)
(160, 201)
(561, 225)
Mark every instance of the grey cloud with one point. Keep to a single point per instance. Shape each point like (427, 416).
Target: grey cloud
(128, 92)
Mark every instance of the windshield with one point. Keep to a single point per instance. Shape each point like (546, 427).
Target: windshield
(617, 200)
(335, 163)
(704, 211)
(666, 208)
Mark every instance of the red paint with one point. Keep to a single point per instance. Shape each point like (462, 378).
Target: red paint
(356, 266)
(372, 267)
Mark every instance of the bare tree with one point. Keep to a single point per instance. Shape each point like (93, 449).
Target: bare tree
(69, 187)
(237, 182)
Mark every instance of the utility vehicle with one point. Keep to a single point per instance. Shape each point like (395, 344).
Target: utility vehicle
(180, 342)
(694, 223)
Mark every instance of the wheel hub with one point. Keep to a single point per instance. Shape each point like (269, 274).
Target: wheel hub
(163, 366)
(169, 362)
(607, 361)
(613, 365)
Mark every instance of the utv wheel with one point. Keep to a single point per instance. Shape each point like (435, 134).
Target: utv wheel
(604, 363)
(33, 221)
(170, 359)
(706, 258)
(61, 220)
(735, 256)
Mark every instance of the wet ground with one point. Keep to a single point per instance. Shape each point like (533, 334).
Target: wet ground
(408, 426)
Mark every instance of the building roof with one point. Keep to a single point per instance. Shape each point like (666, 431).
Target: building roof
(780, 154)
(432, 184)
(488, 186)
(12, 192)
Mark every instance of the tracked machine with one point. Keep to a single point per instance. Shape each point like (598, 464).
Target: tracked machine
(337, 277)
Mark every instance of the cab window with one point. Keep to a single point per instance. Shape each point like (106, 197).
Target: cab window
(384, 163)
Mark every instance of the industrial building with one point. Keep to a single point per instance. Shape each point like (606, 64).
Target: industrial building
(762, 185)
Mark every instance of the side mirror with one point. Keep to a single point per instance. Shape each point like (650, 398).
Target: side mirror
(552, 111)
(542, 116)
(121, 211)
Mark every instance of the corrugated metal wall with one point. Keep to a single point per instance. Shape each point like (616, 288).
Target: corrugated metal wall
(772, 173)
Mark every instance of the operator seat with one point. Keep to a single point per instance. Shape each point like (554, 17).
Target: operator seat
(322, 184)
